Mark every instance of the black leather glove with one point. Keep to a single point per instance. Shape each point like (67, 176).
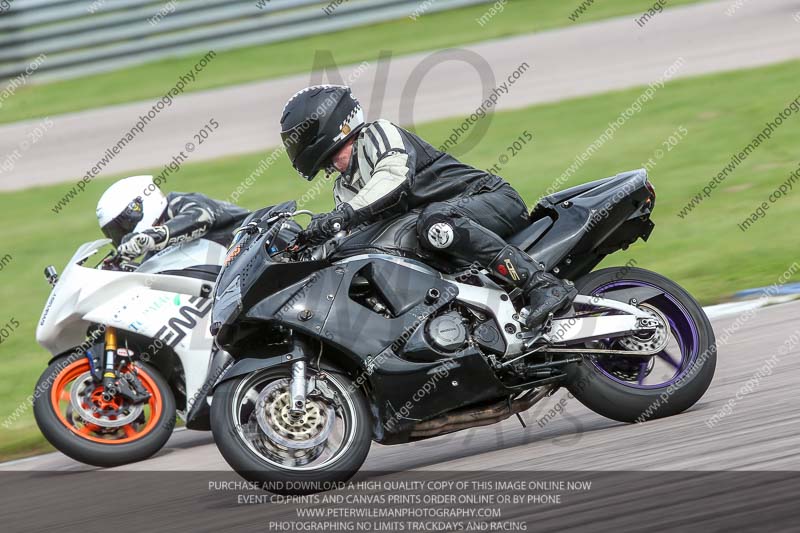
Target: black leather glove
(325, 225)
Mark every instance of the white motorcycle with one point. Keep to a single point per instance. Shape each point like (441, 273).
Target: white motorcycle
(131, 348)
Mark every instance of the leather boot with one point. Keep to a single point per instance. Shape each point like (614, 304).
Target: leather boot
(543, 292)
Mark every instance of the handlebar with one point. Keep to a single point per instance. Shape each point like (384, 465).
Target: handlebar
(256, 227)
(253, 225)
(116, 261)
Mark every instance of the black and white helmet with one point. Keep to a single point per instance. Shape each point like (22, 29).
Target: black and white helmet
(131, 204)
(316, 122)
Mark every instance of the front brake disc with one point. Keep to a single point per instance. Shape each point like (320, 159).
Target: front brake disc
(295, 433)
(87, 408)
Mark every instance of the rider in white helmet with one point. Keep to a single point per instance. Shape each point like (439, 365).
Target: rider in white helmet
(139, 218)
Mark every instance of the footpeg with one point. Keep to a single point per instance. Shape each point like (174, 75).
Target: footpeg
(548, 324)
(540, 333)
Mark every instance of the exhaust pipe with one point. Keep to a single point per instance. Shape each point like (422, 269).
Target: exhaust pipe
(484, 416)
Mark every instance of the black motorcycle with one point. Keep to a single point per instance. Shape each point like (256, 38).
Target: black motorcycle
(362, 339)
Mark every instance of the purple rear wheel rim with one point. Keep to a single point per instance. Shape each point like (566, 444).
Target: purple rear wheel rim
(682, 328)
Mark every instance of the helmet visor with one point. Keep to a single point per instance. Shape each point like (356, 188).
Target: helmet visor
(125, 222)
(299, 142)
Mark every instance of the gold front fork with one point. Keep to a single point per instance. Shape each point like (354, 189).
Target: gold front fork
(111, 351)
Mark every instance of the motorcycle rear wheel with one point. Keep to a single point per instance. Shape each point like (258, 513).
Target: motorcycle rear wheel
(636, 389)
(110, 439)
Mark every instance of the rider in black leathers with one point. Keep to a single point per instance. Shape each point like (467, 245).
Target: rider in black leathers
(466, 213)
(175, 218)
(192, 215)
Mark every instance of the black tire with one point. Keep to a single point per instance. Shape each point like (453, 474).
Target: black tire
(95, 453)
(611, 399)
(269, 476)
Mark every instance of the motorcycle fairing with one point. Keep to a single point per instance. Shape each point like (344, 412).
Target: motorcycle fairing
(161, 306)
(367, 340)
(195, 253)
(322, 305)
(459, 380)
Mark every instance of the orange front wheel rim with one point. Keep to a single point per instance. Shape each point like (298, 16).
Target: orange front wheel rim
(92, 429)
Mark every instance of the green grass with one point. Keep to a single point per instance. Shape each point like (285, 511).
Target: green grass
(706, 252)
(430, 32)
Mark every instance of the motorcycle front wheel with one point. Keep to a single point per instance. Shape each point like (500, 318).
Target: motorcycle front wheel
(76, 419)
(260, 439)
(638, 389)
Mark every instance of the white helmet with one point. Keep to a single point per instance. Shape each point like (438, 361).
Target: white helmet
(130, 205)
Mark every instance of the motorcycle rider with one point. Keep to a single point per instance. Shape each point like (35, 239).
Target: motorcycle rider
(139, 218)
(466, 213)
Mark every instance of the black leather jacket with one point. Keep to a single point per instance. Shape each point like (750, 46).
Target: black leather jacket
(394, 170)
(192, 215)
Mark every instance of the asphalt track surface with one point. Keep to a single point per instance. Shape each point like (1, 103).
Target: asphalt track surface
(565, 63)
(680, 456)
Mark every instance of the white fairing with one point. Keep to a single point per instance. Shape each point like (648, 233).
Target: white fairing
(197, 252)
(164, 307)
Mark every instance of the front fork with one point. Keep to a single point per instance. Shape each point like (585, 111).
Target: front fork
(109, 360)
(126, 385)
(297, 389)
